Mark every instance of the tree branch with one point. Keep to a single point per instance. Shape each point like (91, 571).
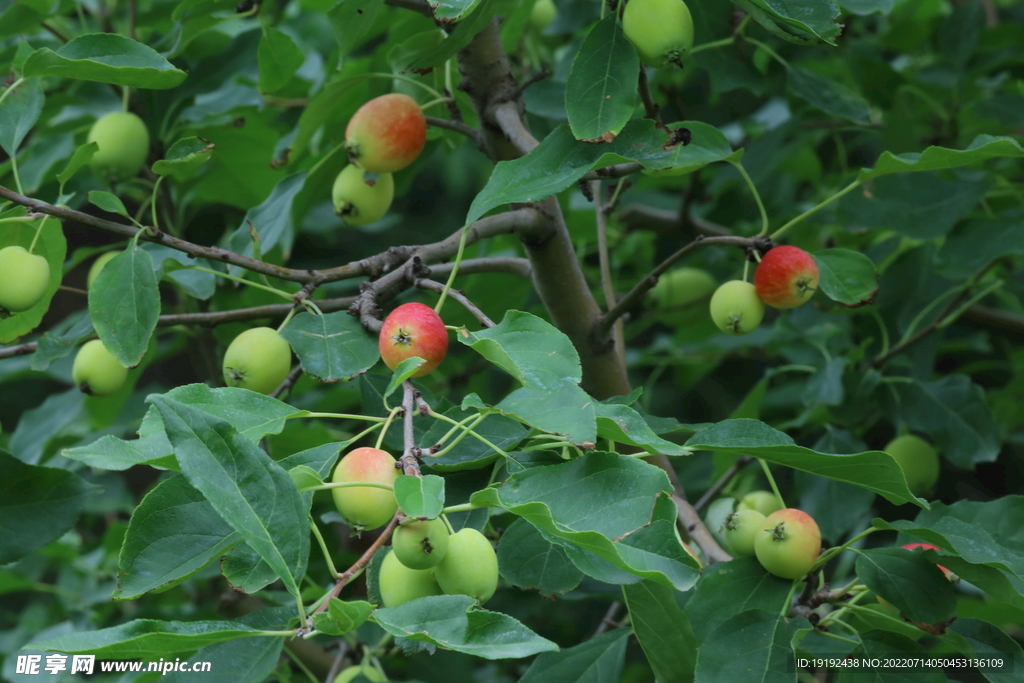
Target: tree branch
(694, 525)
(664, 221)
(653, 111)
(457, 295)
(459, 127)
(641, 288)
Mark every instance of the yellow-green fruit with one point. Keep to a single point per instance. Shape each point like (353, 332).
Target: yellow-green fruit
(736, 308)
(259, 359)
(677, 292)
(420, 545)
(764, 502)
(351, 673)
(358, 202)
(399, 584)
(365, 507)
(740, 530)
(919, 460)
(96, 371)
(542, 14)
(24, 278)
(470, 567)
(660, 30)
(123, 145)
(97, 266)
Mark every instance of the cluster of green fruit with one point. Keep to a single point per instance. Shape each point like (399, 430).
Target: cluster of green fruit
(385, 135)
(785, 278)
(425, 559)
(786, 541)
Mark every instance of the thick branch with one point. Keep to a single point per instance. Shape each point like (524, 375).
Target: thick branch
(694, 525)
(641, 288)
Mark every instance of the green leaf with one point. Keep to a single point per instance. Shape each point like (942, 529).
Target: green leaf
(53, 247)
(353, 22)
(38, 426)
(828, 95)
(977, 244)
(37, 505)
(528, 561)
(173, 533)
(146, 638)
(403, 371)
(955, 413)
(279, 59)
(560, 160)
(556, 405)
(751, 645)
(124, 304)
(81, 157)
(420, 496)
(245, 570)
(60, 340)
(455, 10)
(847, 276)
(985, 640)
(596, 660)
(798, 21)
(461, 36)
(107, 58)
(108, 202)
(342, 617)
(184, 157)
(622, 424)
(919, 205)
(272, 220)
(724, 585)
(600, 95)
(250, 491)
(526, 347)
(873, 470)
(451, 622)
(619, 510)
(982, 148)
(331, 347)
(663, 630)
(915, 586)
(471, 453)
(19, 111)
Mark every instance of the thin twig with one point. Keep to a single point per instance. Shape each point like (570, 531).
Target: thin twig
(60, 36)
(608, 619)
(288, 382)
(650, 106)
(459, 127)
(73, 290)
(740, 463)
(664, 221)
(601, 218)
(641, 288)
(457, 295)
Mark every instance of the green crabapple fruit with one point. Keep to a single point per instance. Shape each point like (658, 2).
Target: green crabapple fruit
(353, 672)
(359, 202)
(764, 502)
(542, 14)
(399, 584)
(24, 278)
(97, 266)
(386, 134)
(420, 545)
(789, 543)
(96, 371)
(919, 461)
(660, 30)
(413, 330)
(740, 530)
(678, 289)
(259, 359)
(123, 145)
(786, 277)
(736, 308)
(365, 507)
(470, 567)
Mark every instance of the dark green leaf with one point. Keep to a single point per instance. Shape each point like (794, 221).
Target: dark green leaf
(245, 570)
(108, 202)
(982, 148)
(915, 586)
(596, 660)
(184, 157)
(846, 276)
(279, 59)
(622, 424)
(663, 630)
(146, 638)
(107, 58)
(977, 244)
(828, 95)
(342, 617)
(751, 645)
(529, 561)
(420, 496)
(124, 304)
(19, 111)
(331, 347)
(724, 585)
(461, 36)
(798, 21)
(272, 221)
(600, 95)
(81, 157)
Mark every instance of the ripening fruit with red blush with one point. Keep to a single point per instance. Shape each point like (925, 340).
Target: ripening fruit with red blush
(413, 330)
(786, 277)
(386, 134)
(365, 507)
(789, 543)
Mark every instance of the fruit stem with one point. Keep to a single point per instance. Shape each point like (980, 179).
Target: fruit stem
(771, 481)
(287, 319)
(478, 419)
(849, 188)
(152, 201)
(464, 507)
(757, 196)
(342, 416)
(724, 42)
(451, 529)
(455, 271)
(323, 547)
(439, 416)
(39, 230)
(439, 100)
(771, 53)
(257, 285)
(14, 170)
(786, 606)
(832, 552)
(387, 423)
